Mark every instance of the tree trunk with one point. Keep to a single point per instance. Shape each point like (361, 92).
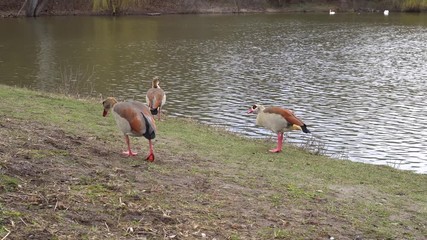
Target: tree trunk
(344, 4)
(237, 6)
(31, 8)
(34, 7)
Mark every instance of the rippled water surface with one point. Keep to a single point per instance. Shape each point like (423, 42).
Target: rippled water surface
(357, 81)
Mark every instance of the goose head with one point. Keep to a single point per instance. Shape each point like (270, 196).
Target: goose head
(256, 108)
(108, 105)
(155, 82)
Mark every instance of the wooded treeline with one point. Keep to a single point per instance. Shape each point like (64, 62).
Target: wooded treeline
(34, 8)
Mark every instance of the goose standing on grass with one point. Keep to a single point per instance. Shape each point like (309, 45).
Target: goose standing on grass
(278, 120)
(133, 119)
(155, 97)
(331, 12)
(386, 12)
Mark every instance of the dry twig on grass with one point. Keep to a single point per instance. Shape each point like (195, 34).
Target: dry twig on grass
(8, 232)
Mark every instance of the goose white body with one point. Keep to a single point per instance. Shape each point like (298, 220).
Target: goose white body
(278, 120)
(133, 119)
(155, 98)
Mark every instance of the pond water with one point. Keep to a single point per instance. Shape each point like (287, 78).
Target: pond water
(357, 81)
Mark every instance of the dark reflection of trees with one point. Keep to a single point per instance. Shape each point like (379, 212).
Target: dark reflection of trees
(45, 51)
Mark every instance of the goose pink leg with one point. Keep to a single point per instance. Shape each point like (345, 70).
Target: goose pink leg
(279, 143)
(129, 152)
(151, 155)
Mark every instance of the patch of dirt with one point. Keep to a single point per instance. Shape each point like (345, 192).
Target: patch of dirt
(64, 186)
(56, 185)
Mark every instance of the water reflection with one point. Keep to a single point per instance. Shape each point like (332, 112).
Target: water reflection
(356, 80)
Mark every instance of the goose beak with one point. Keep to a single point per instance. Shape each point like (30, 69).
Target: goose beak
(250, 110)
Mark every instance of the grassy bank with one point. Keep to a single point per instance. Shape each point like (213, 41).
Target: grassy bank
(62, 177)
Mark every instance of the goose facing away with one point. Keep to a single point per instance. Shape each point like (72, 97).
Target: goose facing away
(278, 120)
(155, 97)
(133, 119)
(386, 12)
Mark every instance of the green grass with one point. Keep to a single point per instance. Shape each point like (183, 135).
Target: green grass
(377, 201)
(8, 183)
(52, 109)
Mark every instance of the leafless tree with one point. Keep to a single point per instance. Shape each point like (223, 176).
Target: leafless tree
(34, 7)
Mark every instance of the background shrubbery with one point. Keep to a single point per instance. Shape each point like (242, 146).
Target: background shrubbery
(59, 7)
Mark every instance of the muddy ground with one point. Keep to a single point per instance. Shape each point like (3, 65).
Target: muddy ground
(61, 186)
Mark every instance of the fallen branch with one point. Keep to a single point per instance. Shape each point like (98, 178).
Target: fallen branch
(23, 5)
(106, 225)
(8, 232)
(22, 220)
(56, 205)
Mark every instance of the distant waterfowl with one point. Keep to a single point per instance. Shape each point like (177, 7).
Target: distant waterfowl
(331, 12)
(155, 97)
(133, 119)
(278, 120)
(386, 12)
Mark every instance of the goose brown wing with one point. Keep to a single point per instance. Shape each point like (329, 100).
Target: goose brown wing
(288, 115)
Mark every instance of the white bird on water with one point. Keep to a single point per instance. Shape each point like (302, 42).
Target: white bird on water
(386, 12)
(331, 12)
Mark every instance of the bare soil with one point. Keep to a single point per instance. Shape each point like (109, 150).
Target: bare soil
(60, 185)
(64, 186)
(74, 187)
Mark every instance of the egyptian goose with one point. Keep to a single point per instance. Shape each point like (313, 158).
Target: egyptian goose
(133, 119)
(278, 120)
(155, 97)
